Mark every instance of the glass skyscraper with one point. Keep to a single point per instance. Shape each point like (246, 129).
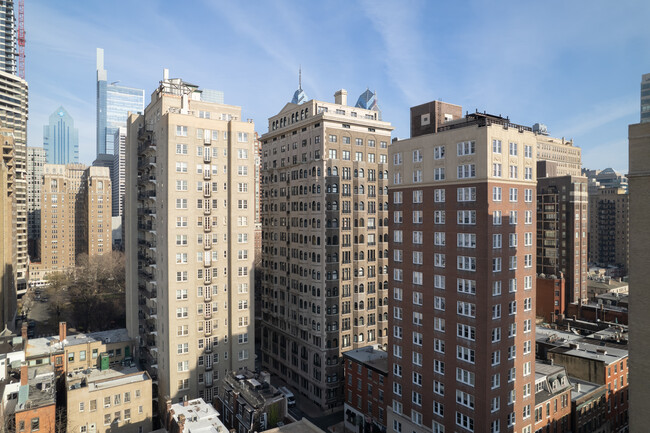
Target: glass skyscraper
(61, 138)
(113, 104)
(645, 98)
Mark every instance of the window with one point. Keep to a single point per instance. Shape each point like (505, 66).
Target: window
(465, 399)
(513, 149)
(439, 173)
(417, 237)
(181, 167)
(465, 263)
(496, 335)
(496, 193)
(466, 309)
(528, 195)
(496, 288)
(528, 173)
(496, 311)
(464, 376)
(417, 196)
(496, 146)
(528, 151)
(496, 170)
(397, 197)
(496, 218)
(397, 159)
(466, 217)
(465, 171)
(466, 194)
(181, 149)
(439, 152)
(417, 155)
(466, 286)
(439, 303)
(513, 194)
(466, 331)
(496, 264)
(514, 172)
(439, 238)
(466, 148)
(439, 217)
(513, 217)
(439, 260)
(496, 241)
(463, 240)
(528, 217)
(181, 131)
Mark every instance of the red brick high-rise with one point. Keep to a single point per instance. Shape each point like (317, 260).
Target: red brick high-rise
(461, 287)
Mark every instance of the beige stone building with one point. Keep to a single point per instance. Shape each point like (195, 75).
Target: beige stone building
(189, 232)
(75, 214)
(462, 226)
(13, 115)
(112, 399)
(324, 244)
(8, 230)
(639, 319)
(567, 156)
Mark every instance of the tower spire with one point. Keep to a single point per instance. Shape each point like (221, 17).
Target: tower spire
(300, 77)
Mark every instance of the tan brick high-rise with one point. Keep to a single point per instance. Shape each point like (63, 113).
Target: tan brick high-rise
(324, 246)
(189, 232)
(8, 230)
(461, 288)
(75, 214)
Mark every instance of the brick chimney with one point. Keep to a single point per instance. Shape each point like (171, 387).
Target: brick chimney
(24, 375)
(24, 333)
(185, 401)
(181, 423)
(63, 331)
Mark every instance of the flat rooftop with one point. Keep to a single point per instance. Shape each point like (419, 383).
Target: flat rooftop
(40, 389)
(200, 417)
(583, 387)
(370, 356)
(51, 344)
(607, 355)
(302, 426)
(96, 380)
(557, 337)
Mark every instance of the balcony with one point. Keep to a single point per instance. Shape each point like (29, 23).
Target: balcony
(207, 175)
(207, 157)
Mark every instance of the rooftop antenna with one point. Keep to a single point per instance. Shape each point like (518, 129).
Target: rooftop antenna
(300, 77)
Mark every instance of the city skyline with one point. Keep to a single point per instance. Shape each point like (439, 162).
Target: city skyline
(587, 88)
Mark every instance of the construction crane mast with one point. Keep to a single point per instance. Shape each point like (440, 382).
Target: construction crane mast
(20, 32)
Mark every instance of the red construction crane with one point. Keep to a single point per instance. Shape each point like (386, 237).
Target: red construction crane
(21, 38)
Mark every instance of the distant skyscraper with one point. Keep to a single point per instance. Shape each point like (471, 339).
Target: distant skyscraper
(8, 48)
(61, 138)
(113, 104)
(35, 163)
(645, 98)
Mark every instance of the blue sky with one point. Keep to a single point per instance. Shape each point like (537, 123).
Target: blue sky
(574, 65)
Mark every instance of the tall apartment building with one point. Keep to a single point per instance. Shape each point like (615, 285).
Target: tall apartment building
(119, 171)
(35, 164)
(189, 232)
(645, 98)
(639, 319)
(562, 223)
(13, 115)
(462, 246)
(75, 214)
(61, 138)
(609, 228)
(8, 230)
(324, 234)
(8, 41)
(567, 156)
